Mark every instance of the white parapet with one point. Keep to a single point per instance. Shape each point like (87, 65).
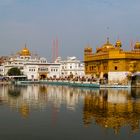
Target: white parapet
(117, 76)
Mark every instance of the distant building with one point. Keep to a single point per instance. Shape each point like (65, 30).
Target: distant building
(71, 66)
(112, 62)
(2, 59)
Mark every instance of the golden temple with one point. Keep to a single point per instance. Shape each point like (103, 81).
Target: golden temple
(111, 61)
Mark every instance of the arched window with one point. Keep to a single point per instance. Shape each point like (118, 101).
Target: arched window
(116, 68)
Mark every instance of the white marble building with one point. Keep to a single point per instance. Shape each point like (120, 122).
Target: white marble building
(32, 66)
(71, 66)
(35, 67)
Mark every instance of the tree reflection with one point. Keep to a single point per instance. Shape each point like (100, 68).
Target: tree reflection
(14, 91)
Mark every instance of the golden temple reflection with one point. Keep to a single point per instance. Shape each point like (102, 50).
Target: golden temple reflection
(24, 110)
(112, 109)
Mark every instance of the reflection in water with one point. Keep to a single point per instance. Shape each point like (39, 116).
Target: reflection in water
(112, 109)
(25, 98)
(108, 108)
(14, 91)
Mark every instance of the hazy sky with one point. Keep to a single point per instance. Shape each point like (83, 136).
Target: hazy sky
(74, 22)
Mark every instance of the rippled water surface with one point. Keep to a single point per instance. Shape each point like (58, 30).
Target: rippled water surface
(47, 112)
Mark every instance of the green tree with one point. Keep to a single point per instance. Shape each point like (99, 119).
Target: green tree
(14, 72)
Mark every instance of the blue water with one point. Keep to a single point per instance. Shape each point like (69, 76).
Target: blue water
(35, 112)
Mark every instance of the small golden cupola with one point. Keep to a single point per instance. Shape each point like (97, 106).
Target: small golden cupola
(108, 45)
(118, 44)
(25, 51)
(137, 45)
(88, 50)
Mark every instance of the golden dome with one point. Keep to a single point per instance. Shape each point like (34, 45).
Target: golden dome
(137, 45)
(118, 43)
(88, 49)
(25, 51)
(107, 45)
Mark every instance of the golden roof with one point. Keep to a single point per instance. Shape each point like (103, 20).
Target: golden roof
(25, 51)
(107, 45)
(137, 45)
(118, 43)
(88, 49)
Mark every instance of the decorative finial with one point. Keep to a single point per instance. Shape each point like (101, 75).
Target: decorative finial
(107, 40)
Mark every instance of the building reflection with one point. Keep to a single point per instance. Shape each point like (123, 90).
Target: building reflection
(24, 110)
(113, 109)
(108, 108)
(25, 98)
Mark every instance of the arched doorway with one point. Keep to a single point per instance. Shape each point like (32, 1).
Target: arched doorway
(105, 76)
(42, 76)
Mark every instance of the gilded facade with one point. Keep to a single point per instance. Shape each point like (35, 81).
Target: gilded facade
(111, 61)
